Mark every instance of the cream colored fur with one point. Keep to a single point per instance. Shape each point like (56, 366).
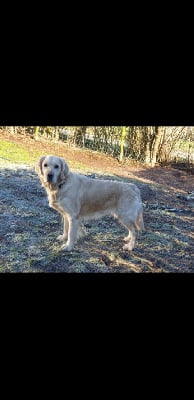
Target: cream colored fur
(78, 198)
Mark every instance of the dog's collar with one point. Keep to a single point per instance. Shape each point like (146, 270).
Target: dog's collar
(61, 184)
(55, 186)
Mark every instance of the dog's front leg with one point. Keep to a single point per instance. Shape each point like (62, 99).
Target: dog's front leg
(72, 233)
(63, 237)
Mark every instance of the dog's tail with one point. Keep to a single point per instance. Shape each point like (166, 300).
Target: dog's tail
(139, 221)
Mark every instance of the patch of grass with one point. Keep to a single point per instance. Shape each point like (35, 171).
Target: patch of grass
(184, 145)
(78, 166)
(15, 152)
(21, 153)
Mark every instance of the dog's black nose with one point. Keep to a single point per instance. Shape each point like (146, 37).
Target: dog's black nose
(50, 177)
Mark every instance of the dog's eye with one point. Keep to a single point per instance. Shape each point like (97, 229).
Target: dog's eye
(45, 165)
(56, 166)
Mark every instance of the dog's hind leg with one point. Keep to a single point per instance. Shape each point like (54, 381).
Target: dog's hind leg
(134, 224)
(130, 239)
(128, 222)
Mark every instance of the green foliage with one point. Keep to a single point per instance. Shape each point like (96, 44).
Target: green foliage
(147, 144)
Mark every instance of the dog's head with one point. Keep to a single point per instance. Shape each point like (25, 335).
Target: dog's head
(52, 170)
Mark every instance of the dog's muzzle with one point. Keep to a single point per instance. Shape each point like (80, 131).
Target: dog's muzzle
(49, 177)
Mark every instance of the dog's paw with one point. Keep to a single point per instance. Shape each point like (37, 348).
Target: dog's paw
(127, 239)
(128, 246)
(67, 247)
(62, 238)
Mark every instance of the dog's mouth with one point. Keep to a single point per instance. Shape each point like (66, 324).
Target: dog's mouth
(50, 178)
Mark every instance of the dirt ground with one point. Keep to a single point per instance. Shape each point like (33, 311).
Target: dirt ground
(28, 227)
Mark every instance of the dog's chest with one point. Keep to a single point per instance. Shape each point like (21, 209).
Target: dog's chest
(59, 201)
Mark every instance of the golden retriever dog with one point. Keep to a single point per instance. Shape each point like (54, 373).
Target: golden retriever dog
(77, 198)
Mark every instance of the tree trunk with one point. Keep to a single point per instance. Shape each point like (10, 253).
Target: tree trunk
(189, 133)
(79, 135)
(148, 137)
(36, 133)
(123, 135)
(156, 143)
(56, 133)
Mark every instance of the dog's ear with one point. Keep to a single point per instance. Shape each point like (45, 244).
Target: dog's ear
(64, 170)
(38, 166)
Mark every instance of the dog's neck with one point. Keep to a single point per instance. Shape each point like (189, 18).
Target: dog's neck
(53, 187)
(64, 181)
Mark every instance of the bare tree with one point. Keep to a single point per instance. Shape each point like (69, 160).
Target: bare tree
(122, 142)
(159, 131)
